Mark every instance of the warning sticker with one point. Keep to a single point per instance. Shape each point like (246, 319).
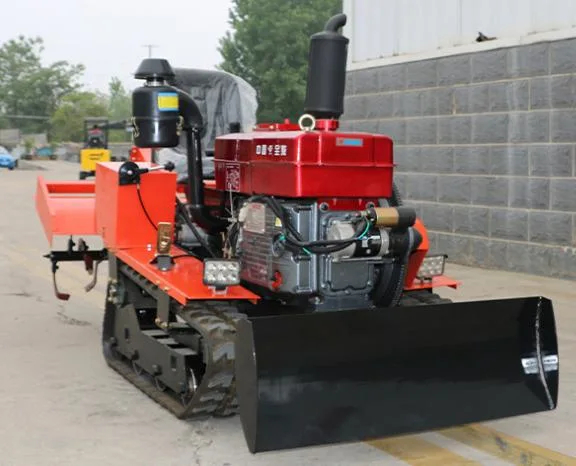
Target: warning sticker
(232, 177)
(255, 220)
(168, 102)
(550, 363)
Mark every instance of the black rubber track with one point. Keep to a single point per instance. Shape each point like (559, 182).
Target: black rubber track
(215, 394)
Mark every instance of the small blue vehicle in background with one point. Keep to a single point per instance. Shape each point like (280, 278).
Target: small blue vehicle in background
(7, 160)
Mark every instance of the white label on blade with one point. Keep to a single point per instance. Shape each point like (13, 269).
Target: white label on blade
(550, 363)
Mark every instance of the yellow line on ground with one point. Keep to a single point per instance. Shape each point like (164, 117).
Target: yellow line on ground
(419, 452)
(507, 447)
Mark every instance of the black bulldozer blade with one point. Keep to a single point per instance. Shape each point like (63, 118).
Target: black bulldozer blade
(321, 378)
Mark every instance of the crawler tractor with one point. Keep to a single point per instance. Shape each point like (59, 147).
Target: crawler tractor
(295, 288)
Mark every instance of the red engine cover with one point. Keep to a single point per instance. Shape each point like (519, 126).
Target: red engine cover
(316, 164)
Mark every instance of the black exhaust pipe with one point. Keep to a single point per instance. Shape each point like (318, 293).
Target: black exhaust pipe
(327, 71)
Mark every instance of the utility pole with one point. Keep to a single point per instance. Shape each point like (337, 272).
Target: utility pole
(150, 47)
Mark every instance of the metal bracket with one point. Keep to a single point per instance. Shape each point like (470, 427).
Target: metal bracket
(82, 254)
(164, 262)
(163, 311)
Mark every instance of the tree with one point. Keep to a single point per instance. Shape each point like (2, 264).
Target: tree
(119, 108)
(68, 119)
(29, 88)
(268, 47)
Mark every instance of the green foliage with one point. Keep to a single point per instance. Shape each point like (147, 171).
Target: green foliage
(29, 88)
(68, 120)
(268, 47)
(119, 108)
(28, 145)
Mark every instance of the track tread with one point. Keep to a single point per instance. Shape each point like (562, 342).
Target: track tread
(421, 298)
(215, 394)
(216, 322)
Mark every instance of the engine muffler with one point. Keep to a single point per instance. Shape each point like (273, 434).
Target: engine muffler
(330, 377)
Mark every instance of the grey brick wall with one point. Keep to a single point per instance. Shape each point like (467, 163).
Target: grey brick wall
(485, 150)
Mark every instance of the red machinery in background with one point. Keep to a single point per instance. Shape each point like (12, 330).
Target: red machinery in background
(295, 288)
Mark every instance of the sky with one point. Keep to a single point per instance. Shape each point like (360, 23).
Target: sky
(108, 36)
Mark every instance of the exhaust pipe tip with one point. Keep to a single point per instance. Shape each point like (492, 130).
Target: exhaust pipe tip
(335, 23)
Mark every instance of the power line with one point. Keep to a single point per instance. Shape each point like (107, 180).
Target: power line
(26, 117)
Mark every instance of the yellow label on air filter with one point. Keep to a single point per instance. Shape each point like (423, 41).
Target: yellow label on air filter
(168, 102)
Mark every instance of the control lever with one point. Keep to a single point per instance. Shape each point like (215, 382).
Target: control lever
(130, 172)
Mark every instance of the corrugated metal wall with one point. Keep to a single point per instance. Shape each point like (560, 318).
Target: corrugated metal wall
(384, 28)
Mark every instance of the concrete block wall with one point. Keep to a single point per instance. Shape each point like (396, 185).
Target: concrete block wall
(485, 150)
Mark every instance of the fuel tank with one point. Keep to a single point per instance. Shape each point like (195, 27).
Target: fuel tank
(285, 161)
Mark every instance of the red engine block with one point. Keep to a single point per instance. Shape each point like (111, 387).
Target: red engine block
(282, 160)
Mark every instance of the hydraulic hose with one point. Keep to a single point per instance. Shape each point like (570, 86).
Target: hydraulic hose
(182, 209)
(197, 207)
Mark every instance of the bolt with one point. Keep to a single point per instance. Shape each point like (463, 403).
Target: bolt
(156, 369)
(368, 283)
(348, 292)
(158, 321)
(166, 289)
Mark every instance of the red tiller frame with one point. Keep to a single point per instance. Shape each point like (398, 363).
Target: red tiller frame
(66, 207)
(101, 207)
(70, 208)
(184, 281)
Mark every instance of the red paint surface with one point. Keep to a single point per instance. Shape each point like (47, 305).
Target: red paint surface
(313, 164)
(120, 218)
(66, 208)
(139, 154)
(184, 281)
(435, 282)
